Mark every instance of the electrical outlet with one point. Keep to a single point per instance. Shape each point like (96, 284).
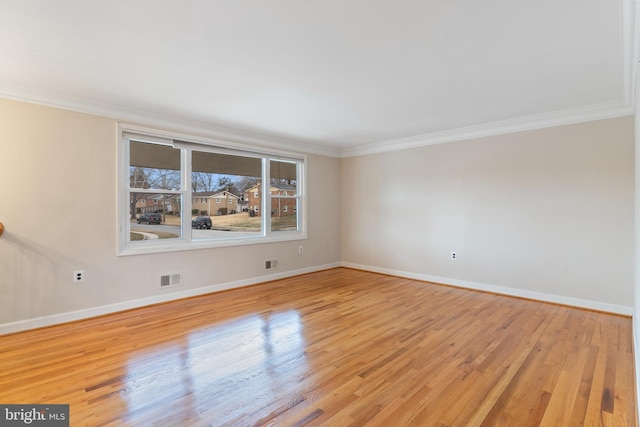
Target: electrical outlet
(78, 276)
(453, 256)
(300, 249)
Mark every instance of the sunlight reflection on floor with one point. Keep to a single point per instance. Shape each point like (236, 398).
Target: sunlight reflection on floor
(251, 358)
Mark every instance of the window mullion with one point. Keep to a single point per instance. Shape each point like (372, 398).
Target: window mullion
(187, 194)
(266, 196)
(125, 195)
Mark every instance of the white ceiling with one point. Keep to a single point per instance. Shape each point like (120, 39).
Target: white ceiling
(343, 76)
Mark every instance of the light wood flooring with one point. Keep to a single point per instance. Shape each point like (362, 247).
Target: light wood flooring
(339, 348)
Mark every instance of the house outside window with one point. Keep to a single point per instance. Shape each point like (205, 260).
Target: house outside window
(171, 169)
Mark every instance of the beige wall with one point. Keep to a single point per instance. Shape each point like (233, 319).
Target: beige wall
(548, 211)
(57, 202)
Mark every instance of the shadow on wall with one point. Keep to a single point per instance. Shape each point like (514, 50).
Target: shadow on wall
(36, 281)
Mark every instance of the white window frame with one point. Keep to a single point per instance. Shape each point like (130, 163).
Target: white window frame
(127, 132)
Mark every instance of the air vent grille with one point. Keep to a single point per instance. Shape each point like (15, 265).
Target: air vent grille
(173, 279)
(271, 264)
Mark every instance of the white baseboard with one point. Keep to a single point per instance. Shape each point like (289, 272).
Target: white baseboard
(39, 322)
(520, 293)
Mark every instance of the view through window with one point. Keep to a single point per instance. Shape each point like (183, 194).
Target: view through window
(182, 193)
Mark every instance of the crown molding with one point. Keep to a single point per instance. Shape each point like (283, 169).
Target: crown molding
(169, 123)
(630, 54)
(559, 118)
(630, 43)
(540, 121)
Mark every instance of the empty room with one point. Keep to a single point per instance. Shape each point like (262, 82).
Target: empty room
(287, 213)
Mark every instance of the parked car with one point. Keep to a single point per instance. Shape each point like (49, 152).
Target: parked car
(201, 222)
(150, 218)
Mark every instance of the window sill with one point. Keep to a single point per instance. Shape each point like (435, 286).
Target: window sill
(176, 245)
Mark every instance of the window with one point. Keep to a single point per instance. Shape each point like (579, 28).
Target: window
(162, 174)
(285, 195)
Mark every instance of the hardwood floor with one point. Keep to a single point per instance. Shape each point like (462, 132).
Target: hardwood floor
(338, 348)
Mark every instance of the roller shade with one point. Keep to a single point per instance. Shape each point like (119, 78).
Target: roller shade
(225, 164)
(283, 170)
(154, 155)
(160, 155)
